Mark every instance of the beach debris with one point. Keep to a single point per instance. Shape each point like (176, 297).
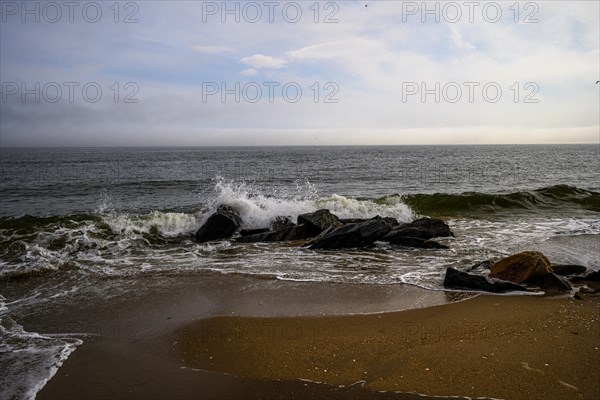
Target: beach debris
(456, 279)
(220, 225)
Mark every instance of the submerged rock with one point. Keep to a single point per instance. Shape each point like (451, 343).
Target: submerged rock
(456, 279)
(520, 267)
(220, 225)
(354, 235)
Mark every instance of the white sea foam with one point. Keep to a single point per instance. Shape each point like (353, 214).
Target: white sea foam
(29, 360)
(167, 224)
(258, 208)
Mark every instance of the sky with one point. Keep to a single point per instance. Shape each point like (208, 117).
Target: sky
(191, 73)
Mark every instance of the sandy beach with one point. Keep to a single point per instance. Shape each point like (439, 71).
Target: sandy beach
(489, 346)
(281, 340)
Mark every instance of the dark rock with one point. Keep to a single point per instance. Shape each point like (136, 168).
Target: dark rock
(550, 282)
(591, 277)
(565, 270)
(285, 233)
(408, 241)
(408, 231)
(319, 236)
(280, 222)
(456, 279)
(220, 225)
(521, 267)
(249, 232)
(436, 226)
(319, 220)
(391, 221)
(354, 235)
(424, 228)
(352, 220)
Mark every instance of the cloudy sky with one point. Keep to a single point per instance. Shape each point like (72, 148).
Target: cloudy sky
(298, 73)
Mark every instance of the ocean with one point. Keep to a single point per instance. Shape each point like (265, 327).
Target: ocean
(91, 225)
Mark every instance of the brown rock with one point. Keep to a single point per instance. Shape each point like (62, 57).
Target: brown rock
(520, 267)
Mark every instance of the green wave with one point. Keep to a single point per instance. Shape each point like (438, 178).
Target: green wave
(560, 197)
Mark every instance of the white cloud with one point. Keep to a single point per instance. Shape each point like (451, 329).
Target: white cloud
(249, 72)
(262, 61)
(370, 54)
(458, 39)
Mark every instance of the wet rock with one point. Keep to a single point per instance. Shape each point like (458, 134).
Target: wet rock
(360, 234)
(319, 220)
(409, 231)
(550, 283)
(423, 228)
(456, 279)
(220, 225)
(352, 220)
(280, 222)
(391, 221)
(407, 241)
(436, 226)
(520, 267)
(591, 277)
(283, 234)
(565, 270)
(249, 232)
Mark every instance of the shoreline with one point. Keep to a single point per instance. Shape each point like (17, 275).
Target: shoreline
(147, 347)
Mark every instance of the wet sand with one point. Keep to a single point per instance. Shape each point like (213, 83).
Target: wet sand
(267, 338)
(489, 346)
(129, 353)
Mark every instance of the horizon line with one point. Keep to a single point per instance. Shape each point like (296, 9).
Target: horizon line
(297, 145)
